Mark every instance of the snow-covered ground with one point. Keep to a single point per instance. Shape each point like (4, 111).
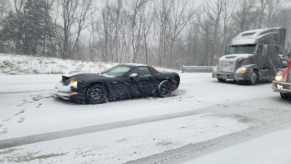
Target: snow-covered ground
(201, 111)
(269, 149)
(197, 91)
(124, 144)
(136, 128)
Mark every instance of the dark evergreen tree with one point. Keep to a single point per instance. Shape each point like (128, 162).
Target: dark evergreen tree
(11, 34)
(29, 31)
(38, 26)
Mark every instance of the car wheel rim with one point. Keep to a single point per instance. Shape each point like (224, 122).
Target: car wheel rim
(164, 88)
(95, 94)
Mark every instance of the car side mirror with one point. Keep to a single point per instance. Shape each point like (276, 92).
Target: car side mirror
(133, 75)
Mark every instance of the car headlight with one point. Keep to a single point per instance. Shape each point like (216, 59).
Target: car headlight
(242, 70)
(279, 77)
(74, 84)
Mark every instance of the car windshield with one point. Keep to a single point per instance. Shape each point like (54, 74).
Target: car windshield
(117, 71)
(242, 49)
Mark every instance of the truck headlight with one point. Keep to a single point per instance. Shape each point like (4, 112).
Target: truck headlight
(74, 84)
(242, 70)
(280, 77)
(214, 69)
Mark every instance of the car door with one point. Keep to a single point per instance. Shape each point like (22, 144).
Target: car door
(144, 81)
(120, 88)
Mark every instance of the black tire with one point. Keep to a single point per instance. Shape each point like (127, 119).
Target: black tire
(285, 96)
(254, 78)
(221, 80)
(165, 88)
(96, 94)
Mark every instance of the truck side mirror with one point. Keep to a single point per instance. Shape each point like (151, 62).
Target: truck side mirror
(285, 63)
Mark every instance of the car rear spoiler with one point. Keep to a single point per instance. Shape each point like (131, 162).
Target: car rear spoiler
(65, 78)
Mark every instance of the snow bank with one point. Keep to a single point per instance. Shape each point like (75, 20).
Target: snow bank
(21, 64)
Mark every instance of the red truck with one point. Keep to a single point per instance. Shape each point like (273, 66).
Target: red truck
(282, 82)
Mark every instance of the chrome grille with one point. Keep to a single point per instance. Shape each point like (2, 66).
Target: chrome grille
(226, 66)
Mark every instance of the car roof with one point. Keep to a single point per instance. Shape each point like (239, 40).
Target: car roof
(135, 65)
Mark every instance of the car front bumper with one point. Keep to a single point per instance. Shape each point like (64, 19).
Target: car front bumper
(65, 92)
(231, 76)
(282, 87)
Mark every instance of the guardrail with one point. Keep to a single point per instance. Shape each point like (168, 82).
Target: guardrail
(197, 69)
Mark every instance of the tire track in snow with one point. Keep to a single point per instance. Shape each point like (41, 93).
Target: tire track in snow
(20, 141)
(24, 92)
(264, 113)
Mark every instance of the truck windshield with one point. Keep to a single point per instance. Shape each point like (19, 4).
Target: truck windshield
(241, 49)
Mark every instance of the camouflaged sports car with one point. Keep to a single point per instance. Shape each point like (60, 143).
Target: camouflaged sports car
(121, 82)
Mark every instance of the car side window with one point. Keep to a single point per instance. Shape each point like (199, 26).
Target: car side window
(143, 72)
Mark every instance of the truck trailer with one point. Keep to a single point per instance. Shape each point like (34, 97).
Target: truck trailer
(253, 56)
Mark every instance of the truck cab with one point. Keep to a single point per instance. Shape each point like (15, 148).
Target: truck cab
(252, 56)
(282, 82)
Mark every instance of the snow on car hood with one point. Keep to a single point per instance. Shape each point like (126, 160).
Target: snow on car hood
(87, 77)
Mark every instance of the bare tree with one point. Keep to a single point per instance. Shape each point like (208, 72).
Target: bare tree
(74, 15)
(18, 5)
(146, 30)
(174, 16)
(137, 22)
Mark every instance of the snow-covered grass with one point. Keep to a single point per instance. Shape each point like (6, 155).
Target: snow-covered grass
(125, 144)
(21, 64)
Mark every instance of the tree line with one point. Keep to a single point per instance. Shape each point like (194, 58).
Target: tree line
(167, 33)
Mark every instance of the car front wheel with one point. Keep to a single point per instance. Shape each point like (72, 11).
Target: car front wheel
(285, 96)
(96, 94)
(165, 88)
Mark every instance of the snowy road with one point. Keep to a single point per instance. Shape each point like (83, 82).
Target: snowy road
(203, 116)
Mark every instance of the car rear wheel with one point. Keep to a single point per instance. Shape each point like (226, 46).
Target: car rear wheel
(221, 80)
(96, 94)
(285, 96)
(165, 88)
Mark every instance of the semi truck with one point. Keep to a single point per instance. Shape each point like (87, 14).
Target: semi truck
(253, 56)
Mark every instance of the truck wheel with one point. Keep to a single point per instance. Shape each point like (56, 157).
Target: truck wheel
(285, 96)
(254, 78)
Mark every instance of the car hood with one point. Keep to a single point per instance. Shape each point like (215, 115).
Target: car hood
(86, 77)
(235, 57)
